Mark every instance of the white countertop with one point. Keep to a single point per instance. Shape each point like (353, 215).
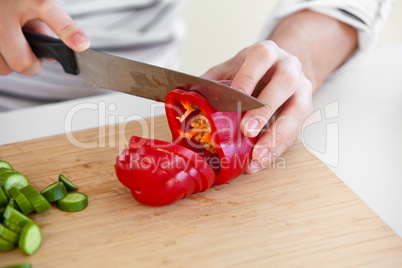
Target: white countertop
(356, 128)
(359, 134)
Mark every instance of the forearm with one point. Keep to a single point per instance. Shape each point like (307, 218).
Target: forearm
(321, 43)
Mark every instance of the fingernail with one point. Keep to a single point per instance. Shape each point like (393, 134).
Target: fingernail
(260, 154)
(253, 167)
(252, 127)
(266, 162)
(81, 42)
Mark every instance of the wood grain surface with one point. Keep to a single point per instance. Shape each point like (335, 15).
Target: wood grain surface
(296, 214)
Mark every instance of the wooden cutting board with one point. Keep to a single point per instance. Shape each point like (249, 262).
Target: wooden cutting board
(297, 214)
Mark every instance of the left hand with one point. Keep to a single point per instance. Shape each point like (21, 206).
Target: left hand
(287, 94)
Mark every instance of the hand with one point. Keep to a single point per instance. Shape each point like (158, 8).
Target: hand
(43, 16)
(287, 94)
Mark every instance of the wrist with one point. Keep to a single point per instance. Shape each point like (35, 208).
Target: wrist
(322, 44)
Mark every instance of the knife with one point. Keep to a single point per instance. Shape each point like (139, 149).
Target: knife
(136, 78)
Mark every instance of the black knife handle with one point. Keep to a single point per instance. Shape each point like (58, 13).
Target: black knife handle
(51, 48)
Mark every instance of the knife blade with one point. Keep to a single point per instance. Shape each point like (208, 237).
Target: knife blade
(103, 70)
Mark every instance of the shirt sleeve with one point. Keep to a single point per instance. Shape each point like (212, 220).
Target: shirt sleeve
(368, 17)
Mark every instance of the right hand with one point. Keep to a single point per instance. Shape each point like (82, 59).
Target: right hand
(43, 16)
(287, 97)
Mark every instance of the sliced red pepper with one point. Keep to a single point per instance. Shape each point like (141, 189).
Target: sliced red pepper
(160, 176)
(208, 176)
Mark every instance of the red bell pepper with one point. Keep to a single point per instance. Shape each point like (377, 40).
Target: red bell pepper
(192, 159)
(155, 177)
(216, 136)
(208, 148)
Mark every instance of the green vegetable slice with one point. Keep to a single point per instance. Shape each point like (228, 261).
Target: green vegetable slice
(13, 179)
(3, 199)
(8, 235)
(39, 203)
(30, 238)
(21, 200)
(5, 171)
(54, 191)
(12, 226)
(21, 265)
(73, 202)
(6, 245)
(69, 185)
(4, 164)
(13, 204)
(16, 217)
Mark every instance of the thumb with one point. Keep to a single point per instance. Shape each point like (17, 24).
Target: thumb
(212, 74)
(219, 72)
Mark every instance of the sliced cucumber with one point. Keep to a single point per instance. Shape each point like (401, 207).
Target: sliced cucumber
(16, 217)
(73, 202)
(12, 226)
(3, 173)
(23, 203)
(6, 245)
(16, 180)
(54, 191)
(30, 238)
(8, 235)
(21, 265)
(69, 185)
(3, 199)
(13, 204)
(39, 203)
(4, 164)
(4, 169)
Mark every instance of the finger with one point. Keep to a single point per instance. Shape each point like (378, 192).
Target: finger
(260, 58)
(64, 26)
(4, 68)
(283, 84)
(17, 52)
(282, 133)
(216, 73)
(40, 27)
(255, 167)
(226, 70)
